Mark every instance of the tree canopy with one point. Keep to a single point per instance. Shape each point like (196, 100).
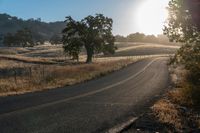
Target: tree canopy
(56, 39)
(182, 27)
(93, 32)
(21, 38)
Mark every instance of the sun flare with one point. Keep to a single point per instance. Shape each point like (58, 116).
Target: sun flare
(151, 16)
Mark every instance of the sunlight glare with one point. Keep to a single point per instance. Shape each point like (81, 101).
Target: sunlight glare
(151, 16)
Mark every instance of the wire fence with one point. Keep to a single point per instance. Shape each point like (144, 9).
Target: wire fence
(27, 72)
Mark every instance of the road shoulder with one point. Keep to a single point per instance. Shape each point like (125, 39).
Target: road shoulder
(171, 113)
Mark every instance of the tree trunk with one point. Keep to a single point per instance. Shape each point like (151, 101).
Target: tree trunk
(90, 52)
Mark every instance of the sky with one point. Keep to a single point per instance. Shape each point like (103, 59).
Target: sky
(129, 16)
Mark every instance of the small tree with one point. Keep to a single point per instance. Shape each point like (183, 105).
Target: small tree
(93, 32)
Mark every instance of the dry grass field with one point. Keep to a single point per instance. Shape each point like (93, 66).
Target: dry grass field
(45, 67)
(23, 77)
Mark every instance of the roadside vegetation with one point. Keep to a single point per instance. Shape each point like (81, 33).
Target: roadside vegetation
(183, 26)
(177, 110)
(180, 107)
(25, 77)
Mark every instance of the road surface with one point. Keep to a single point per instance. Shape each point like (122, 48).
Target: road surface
(94, 106)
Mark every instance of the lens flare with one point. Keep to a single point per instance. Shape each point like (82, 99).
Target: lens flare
(151, 16)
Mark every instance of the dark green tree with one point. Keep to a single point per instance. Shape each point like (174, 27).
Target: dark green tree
(1, 38)
(136, 37)
(182, 28)
(9, 40)
(119, 38)
(24, 38)
(150, 38)
(21, 38)
(94, 33)
(56, 39)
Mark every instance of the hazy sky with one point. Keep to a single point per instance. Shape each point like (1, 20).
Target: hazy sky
(123, 12)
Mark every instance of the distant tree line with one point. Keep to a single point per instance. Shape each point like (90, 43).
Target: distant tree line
(20, 38)
(140, 37)
(40, 31)
(1, 39)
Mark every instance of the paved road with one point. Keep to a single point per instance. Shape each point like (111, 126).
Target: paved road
(90, 107)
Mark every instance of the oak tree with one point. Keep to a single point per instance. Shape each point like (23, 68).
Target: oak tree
(94, 33)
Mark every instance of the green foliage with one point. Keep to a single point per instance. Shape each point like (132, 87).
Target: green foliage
(41, 31)
(56, 39)
(1, 37)
(72, 40)
(181, 28)
(21, 38)
(119, 38)
(136, 37)
(93, 32)
(9, 40)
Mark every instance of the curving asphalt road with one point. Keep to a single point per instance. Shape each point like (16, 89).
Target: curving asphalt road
(94, 106)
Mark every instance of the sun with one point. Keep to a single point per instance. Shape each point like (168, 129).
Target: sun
(151, 15)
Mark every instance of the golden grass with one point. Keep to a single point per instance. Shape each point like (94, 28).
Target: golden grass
(178, 96)
(28, 59)
(168, 113)
(59, 55)
(8, 64)
(181, 92)
(175, 107)
(12, 50)
(41, 77)
(45, 49)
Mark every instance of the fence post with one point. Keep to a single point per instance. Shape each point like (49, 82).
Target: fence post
(43, 74)
(30, 73)
(15, 76)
